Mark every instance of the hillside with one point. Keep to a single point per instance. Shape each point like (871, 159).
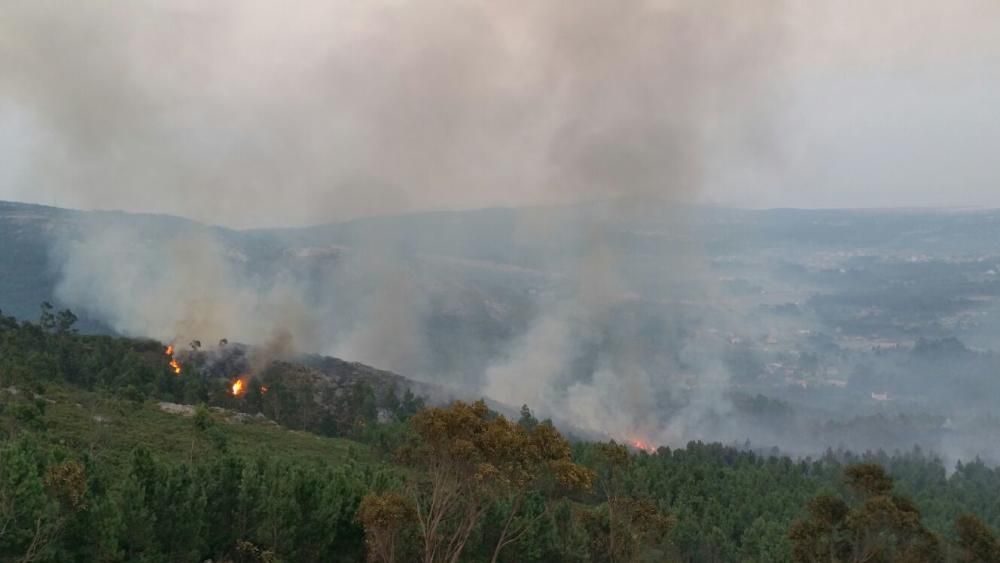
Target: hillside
(111, 427)
(819, 314)
(106, 455)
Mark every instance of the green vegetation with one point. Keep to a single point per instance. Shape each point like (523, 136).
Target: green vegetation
(107, 455)
(881, 526)
(112, 427)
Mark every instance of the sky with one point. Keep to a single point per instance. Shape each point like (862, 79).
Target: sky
(245, 113)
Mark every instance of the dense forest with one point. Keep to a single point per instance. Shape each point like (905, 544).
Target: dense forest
(109, 454)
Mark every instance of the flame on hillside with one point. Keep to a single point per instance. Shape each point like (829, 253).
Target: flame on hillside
(640, 444)
(239, 387)
(174, 364)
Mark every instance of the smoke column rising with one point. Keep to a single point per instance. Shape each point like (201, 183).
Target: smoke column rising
(242, 113)
(668, 85)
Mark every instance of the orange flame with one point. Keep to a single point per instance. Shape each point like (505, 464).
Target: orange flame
(238, 388)
(174, 364)
(643, 445)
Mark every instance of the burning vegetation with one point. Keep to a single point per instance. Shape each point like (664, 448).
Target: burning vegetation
(229, 363)
(174, 364)
(640, 444)
(239, 387)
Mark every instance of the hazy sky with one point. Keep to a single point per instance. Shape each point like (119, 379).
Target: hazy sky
(246, 113)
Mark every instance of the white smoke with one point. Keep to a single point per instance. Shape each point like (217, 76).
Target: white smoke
(184, 287)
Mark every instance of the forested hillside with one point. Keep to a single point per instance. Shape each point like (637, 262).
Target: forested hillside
(108, 454)
(861, 329)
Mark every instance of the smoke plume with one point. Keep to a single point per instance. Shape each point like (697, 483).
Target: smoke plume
(246, 113)
(178, 287)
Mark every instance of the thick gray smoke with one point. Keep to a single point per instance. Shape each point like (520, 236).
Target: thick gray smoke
(179, 286)
(592, 358)
(250, 113)
(657, 99)
(321, 110)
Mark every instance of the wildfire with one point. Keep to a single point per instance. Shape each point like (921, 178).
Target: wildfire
(263, 389)
(238, 388)
(643, 445)
(174, 364)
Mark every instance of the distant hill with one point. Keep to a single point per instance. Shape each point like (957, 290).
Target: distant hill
(477, 279)
(28, 275)
(505, 245)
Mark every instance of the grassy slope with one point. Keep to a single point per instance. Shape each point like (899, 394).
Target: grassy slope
(112, 427)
